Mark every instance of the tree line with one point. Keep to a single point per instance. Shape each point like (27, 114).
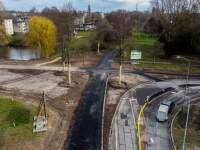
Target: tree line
(177, 25)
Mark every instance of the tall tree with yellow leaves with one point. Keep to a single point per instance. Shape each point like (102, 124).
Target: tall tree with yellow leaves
(4, 36)
(42, 34)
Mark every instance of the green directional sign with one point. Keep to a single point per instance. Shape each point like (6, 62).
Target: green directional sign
(136, 54)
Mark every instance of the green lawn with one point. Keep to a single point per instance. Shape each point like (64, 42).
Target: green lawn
(143, 44)
(16, 120)
(170, 66)
(192, 137)
(192, 57)
(137, 35)
(86, 35)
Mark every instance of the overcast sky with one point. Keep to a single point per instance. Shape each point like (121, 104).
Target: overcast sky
(95, 5)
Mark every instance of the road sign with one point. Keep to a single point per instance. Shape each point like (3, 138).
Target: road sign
(136, 54)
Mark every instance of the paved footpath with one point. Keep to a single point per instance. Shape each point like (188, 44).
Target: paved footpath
(35, 67)
(86, 133)
(124, 129)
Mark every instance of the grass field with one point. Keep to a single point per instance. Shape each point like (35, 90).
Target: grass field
(137, 35)
(169, 66)
(85, 35)
(16, 120)
(192, 138)
(143, 44)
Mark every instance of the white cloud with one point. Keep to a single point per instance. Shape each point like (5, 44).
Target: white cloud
(145, 3)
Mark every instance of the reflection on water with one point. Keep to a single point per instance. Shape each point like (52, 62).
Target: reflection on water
(19, 53)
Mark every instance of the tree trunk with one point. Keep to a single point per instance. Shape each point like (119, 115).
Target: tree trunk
(69, 73)
(98, 47)
(83, 60)
(64, 66)
(120, 74)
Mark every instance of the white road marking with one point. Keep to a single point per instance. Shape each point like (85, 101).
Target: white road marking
(103, 76)
(152, 140)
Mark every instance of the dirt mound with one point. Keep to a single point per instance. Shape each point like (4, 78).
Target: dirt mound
(27, 71)
(60, 73)
(65, 84)
(116, 85)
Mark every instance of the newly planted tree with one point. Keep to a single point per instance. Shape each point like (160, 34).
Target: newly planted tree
(42, 34)
(98, 36)
(66, 27)
(123, 28)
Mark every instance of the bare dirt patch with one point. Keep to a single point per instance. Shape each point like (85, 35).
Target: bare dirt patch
(113, 96)
(129, 66)
(27, 86)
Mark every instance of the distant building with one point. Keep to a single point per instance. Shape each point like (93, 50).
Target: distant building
(13, 14)
(20, 27)
(80, 20)
(8, 23)
(85, 27)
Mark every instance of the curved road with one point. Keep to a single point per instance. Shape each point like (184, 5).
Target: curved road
(160, 132)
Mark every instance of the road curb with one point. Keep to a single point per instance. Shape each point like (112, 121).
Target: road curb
(159, 93)
(172, 139)
(103, 115)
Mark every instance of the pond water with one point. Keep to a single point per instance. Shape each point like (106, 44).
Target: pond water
(19, 53)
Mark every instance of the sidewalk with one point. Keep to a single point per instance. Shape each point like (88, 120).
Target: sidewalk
(36, 67)
(124, 134)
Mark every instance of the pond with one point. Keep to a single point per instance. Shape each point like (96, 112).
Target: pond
(19, 53)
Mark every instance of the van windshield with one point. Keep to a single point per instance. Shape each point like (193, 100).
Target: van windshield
(161, 115)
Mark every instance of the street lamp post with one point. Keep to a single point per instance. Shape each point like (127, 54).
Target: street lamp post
(186, 118)
(186, 79)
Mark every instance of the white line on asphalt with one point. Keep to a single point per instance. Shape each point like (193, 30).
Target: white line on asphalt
(152, 140)
(157, 124)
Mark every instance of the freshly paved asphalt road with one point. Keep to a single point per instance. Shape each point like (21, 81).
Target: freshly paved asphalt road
(86, 131)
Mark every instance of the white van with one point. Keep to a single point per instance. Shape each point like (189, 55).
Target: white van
(162, 113)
